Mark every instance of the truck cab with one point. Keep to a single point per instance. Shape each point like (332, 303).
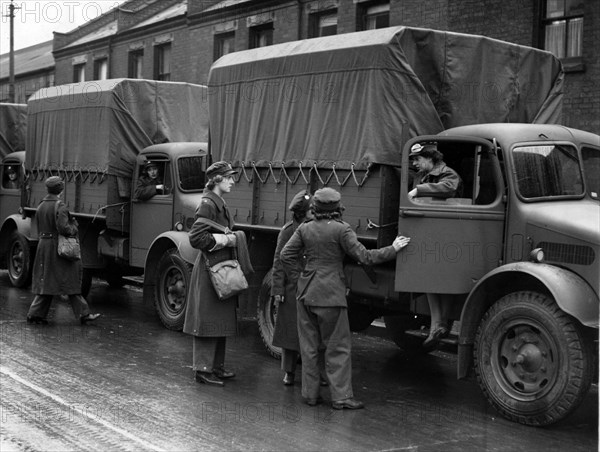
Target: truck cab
(519, 250)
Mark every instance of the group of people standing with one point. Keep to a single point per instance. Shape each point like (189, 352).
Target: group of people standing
(308, 277)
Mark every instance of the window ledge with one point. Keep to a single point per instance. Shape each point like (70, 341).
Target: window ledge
(573, 64)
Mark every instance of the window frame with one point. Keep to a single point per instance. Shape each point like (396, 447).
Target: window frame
(100, 67)
(161, 72)
(315, 23)
(257, 32)
(135, 66)
(79, 73)
(365, 12)
(218, 40)
(571, 61)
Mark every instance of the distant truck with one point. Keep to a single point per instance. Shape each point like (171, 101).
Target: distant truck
(519, 250)
(98, 136)
(13, 129)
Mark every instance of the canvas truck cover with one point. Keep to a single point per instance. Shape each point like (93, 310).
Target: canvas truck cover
(375, 89)
(13, 127)
(102, 125)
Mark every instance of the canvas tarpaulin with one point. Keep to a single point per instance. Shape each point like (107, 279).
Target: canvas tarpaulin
(102, 125)
(354, 99)
(13, 127)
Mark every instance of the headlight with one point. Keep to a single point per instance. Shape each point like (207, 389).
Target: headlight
(536, 255)
(179, 226)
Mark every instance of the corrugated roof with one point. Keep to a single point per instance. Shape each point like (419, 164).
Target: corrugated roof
(173, 11)
(29, 59)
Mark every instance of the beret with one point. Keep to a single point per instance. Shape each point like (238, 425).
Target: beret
(300, 201)
(418, 149)
(326, 199)
(150, 164)
(220, 169)
(54, 184)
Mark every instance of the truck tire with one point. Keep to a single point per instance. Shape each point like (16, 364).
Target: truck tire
(532, 360)
(266, 314)
(172, 282)
(18, 260)
(396, 325)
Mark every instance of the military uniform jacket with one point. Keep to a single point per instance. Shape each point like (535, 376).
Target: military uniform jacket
(53, 275)
(325, 244)
(205, 314)
(441, 182)
(286, 329)
(146, 188)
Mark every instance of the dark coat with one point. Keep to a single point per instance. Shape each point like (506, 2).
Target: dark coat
(206, 315)
(286, 325)
(325, 244)
(146, 188)
(53, 275)
(441, 182)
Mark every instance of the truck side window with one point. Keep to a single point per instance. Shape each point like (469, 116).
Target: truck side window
(591, 168)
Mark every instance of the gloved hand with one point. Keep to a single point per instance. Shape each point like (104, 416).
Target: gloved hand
(223, 240)
(278, 299)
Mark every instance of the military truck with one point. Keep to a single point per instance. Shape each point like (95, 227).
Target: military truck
(13, 128)
(98, 136)
(518, 251)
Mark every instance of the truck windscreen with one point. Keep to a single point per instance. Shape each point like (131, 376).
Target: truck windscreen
(548, 171)
(191, 173)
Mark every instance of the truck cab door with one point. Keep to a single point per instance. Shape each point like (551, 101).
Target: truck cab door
(153, 216)
(454, 241)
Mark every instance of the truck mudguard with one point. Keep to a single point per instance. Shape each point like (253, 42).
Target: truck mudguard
(181, 240)
(572, 294)
(22, 225)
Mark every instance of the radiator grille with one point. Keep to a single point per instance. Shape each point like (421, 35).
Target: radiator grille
(568, 254)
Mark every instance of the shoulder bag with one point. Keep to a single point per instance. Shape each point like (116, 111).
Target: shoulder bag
(68, 247)
(226, 276)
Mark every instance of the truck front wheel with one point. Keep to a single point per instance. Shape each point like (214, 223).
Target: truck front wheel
(266, 314)
(18, 260)
(173, 280)
(532, 360)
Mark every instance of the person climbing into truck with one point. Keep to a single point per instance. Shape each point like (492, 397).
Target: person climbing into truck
(437, 180)
(149, 184)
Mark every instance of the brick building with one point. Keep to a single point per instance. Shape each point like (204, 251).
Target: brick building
(178, 40)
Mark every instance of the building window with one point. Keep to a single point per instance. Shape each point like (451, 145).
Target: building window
(79, 73)
(136, 59)
(101, 69)
(261, 36)
(323, 24)
(162, 62)
(373, 15)
(224, 44)
(562, 25)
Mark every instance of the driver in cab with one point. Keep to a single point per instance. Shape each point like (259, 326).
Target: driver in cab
(149, 184)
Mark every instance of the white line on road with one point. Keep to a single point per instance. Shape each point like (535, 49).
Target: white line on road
(57, 399)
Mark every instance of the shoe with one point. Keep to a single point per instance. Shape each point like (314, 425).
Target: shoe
(348, 404)
(288, 379)
(314, 402)
(36, 320)
(323, 382)
(434, 337)
(208, 378)
(223, 374)
(88, 318)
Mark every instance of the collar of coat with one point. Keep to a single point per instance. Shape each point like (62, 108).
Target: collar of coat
(219, 202)
(438, 168)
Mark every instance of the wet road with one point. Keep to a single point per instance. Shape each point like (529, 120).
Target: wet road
(125, 383)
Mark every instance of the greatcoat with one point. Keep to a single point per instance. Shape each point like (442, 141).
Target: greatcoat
(286, 325)
(206, 315)
(53, 275)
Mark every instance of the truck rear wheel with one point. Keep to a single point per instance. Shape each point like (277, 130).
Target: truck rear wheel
(18, 260)
(173, 280)
(532, 360)
(266, 314)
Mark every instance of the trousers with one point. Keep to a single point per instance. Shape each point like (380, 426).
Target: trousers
(329, 327)
(41, 305)
(208, 353)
